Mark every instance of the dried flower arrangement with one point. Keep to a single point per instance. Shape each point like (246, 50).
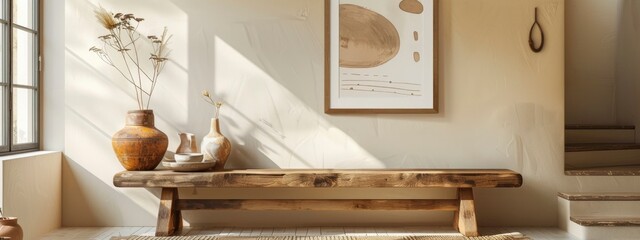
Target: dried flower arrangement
(122, 41)
(208, 99)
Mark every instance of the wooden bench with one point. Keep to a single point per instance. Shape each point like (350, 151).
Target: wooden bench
(170, 215)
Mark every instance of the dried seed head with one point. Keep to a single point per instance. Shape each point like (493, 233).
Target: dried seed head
(105, 18)
(205, 93)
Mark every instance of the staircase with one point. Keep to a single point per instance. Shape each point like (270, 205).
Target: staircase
(600, 215)
(601, 150)
(598, 150)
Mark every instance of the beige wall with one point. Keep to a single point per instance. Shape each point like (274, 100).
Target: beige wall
(592, 39)
(31, 189)
(502, 107)
(52, 94)
(628, 65)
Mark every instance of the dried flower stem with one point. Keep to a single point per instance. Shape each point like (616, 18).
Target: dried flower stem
(124, 58)
(207, 98)
(123, 37)
(159, 50)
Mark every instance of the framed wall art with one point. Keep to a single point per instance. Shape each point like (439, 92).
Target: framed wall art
(381, 56)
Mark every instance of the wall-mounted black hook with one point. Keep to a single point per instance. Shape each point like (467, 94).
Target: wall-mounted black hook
(532, 44)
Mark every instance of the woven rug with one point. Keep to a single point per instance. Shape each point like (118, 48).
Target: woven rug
(509, 236)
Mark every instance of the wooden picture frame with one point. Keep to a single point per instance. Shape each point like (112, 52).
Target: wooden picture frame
(379, 59)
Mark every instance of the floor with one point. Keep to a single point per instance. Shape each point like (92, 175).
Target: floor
(108, 232)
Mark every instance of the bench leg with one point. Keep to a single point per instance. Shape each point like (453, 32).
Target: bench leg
(169, 216)
(464, 220)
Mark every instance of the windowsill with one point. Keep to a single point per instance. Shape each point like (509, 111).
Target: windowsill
(26, 155)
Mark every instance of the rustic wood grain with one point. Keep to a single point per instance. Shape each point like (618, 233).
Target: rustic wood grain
(321, 178)
(169, 216)
(170, 219)
(466, 214)
(600, 196)
(319, 205)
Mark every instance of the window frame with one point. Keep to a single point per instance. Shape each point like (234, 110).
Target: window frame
(7, 65)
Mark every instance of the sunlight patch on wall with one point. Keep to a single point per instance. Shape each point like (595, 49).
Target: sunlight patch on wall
(270, 121)
(96, 102)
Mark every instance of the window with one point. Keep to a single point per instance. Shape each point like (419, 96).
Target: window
(19, 71)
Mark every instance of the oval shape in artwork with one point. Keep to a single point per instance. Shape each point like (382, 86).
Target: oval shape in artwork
(411, 6)
(367, 39)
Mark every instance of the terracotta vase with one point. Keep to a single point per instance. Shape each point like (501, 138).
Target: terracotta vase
(215, 146)
(9, 228)
(140, 146)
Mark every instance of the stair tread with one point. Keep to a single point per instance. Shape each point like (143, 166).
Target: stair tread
(583, 147)
(597, 127)
(605, 171)
(593, 196)
(606, 221)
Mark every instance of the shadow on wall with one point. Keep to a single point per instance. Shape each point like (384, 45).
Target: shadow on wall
(265, 60)
(627, 58)
(83, 184)
(267, 65)
(266, 120)
(269, 126)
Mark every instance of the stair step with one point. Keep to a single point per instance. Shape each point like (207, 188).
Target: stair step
(605, 171)
(590, 126)
(613, 205)
(589, 147)
(600, 196)
(581, 136)
(606, 221)
(598, 159)
(599, 216)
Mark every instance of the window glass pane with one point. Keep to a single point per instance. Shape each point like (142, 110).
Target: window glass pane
(3, 116)
(2, 8)
(23, 57)
(23, 12)
(3, 56)
(23, 115)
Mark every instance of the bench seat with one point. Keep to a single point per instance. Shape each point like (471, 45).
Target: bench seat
(170, 215)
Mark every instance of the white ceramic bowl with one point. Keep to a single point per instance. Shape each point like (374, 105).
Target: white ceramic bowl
(188, 157)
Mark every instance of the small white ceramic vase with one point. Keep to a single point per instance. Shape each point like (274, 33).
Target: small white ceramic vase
(215, 147)
(187, 143)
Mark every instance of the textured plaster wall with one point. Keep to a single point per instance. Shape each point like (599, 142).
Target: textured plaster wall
(592, 44)
(628, 65)
(53, 72)
(31, 190)
(502, 107)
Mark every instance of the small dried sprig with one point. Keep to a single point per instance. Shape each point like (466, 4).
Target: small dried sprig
(207, 98)
(122, 40)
